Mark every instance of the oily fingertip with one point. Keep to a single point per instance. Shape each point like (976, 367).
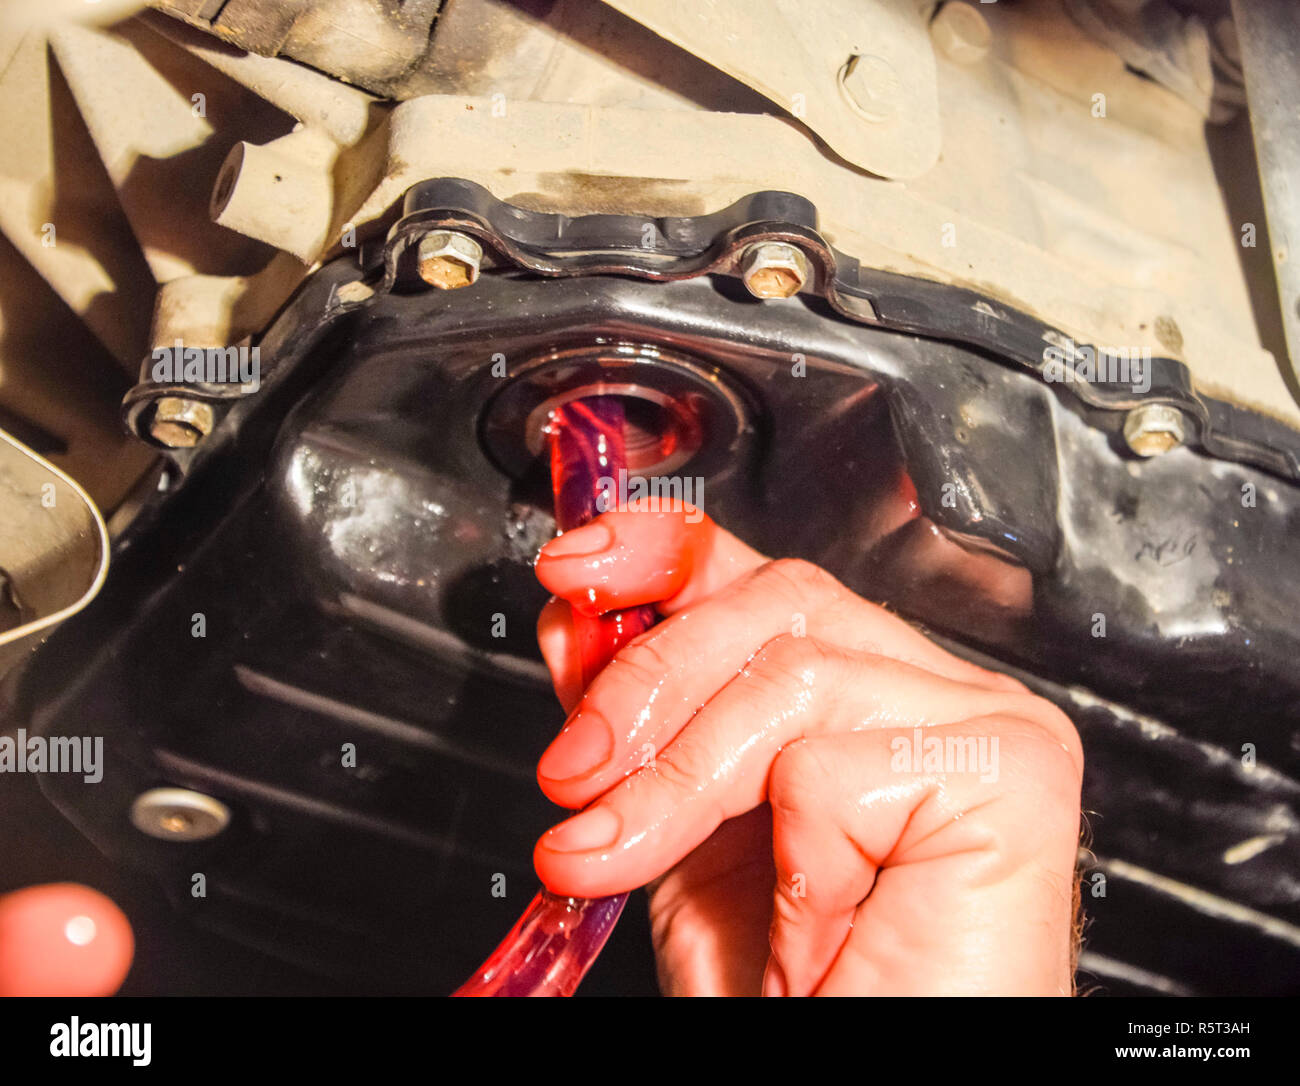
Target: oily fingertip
(558, 640)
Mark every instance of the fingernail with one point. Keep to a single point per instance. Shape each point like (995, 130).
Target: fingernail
(583, 745)
(597, 827)
(773, 980)
(589, 539)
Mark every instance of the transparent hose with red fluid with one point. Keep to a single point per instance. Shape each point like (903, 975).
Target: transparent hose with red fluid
(555, 942)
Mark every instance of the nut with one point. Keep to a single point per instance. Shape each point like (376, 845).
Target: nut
(177, 814)
(1154, 428)
(179, 423)
(773, 269)
(961, 32)
(449, 260)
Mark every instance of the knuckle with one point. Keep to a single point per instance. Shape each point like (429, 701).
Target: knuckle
(1008, 682)
(1048, 757)
(1001, 682)
(800, 777)
(790, 656)
(647, 659)
(681, 768)
(636, 667)
(801, 767)
(785, 648)
(805, 579)
(787, 663)
(1054, 725)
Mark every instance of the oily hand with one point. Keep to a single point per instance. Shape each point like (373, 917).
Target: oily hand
(820, 799)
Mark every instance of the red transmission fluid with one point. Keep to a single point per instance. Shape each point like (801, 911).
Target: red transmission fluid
(555, 942)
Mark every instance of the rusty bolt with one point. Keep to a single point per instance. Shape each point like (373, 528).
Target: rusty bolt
(1154, 428)
(773, 269)
(449, 260)
(179, 423)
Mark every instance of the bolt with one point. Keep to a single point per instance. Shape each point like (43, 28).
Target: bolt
(179, 423)
(177, 814)
(1154, 428)
(872, 87)
(961, 32)
(773, 269)
(449, 260)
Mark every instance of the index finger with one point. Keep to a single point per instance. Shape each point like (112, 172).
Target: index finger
(626, 558)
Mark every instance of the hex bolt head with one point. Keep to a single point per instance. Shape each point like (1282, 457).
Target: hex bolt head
(773, 269)
(1154, 428)
(872, 87)
(961, 32)
(178, 814)
(449, 260)
(179, 423)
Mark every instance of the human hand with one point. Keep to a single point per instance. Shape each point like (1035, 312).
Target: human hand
(762, 760)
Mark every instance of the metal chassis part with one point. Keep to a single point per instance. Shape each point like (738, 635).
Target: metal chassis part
(670, 248)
